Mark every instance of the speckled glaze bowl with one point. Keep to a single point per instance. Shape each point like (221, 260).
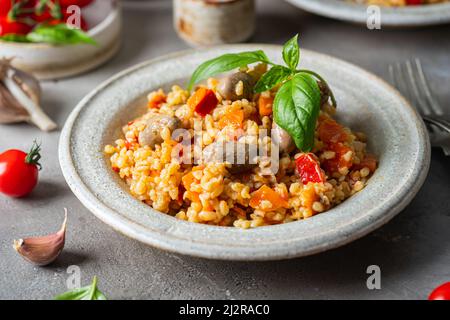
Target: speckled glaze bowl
(395, 132)
(410, 16)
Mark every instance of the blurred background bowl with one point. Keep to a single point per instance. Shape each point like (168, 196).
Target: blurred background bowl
(48, 61)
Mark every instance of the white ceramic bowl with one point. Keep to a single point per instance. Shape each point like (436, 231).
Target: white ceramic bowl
(410, 16)
(47, 61)
(395, 132)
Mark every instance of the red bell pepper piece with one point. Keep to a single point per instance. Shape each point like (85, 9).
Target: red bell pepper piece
(203, 101)
(308, 168)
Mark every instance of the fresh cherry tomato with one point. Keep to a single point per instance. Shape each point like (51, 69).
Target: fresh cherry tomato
(441, 293)
(308, 168)
(13, 27)
(5, 7)
(80, 3)
(19, 171)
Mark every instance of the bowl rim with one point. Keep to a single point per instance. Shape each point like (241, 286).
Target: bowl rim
(410, 16)
(94, 32)
(166, 242)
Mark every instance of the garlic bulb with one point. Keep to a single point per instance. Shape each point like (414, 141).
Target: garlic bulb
(20, 96)
(42, 250)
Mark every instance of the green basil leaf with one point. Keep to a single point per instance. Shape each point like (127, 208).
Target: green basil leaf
(273, 77)
(226, 63)
(90, 292)
(296, 109)
(291, 53)
(59, 34)
(75, 294)
(14, 38)
(99, 296)
(320, 78)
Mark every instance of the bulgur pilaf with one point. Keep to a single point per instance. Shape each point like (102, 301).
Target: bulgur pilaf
(224, 193)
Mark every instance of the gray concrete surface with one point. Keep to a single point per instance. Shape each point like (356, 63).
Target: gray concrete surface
(413, 250)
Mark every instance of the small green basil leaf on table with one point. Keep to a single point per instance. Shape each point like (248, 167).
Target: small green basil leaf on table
(224, 63)
(273, 77)
(90, 292)
(296, 109)
(59, 34)
(291, 53)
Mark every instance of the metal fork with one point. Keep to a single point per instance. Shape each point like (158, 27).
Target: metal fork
(410, 79)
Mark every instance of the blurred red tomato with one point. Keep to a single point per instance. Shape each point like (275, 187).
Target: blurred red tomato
(13, 27)
(5, 6)
(47, 17)
(441, 293)
(80, 3)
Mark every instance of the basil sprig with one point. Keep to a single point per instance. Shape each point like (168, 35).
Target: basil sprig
(297, 103)
(90, 292)
(226, 63)
(59, 34)
(291, 53)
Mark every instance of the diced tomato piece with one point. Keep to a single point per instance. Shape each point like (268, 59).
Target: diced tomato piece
(331, 132)
(233, 119)
(267, 194)
(203, 101)
(239, 211)
(156, 99)
(129, 145)
(341, 159)
(265, 105)
(308, 168)
(369, 161)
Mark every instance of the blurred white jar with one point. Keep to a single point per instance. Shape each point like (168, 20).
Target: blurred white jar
(212, 22)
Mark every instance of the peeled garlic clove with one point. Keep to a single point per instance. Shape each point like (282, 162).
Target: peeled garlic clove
(20, 95)
(42, 250)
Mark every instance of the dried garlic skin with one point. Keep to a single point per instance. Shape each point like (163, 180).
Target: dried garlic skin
(20, 96)
(10, 110)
